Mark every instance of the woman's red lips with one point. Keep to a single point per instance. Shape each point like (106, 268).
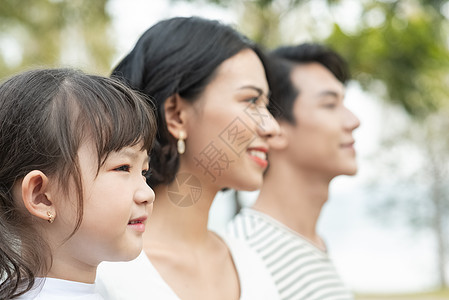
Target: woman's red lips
(261, 149)
(258, 155)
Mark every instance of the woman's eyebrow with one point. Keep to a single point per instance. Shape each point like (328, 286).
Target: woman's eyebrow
(252, 87)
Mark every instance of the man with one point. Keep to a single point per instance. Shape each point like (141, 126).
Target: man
(315, 145)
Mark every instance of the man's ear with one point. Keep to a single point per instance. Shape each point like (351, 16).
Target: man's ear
(279, 141)
(36, 195)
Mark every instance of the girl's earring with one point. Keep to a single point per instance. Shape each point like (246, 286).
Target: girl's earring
(51, 218)
(181, 143)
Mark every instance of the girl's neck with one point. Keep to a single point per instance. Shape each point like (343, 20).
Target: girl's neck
(73, 270)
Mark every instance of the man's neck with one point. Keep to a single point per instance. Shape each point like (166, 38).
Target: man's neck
(294, 198)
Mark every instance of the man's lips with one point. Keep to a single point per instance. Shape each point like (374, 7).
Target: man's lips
(348, 144)
(348, 147)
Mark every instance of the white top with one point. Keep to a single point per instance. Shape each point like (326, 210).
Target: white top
(57, 289)
(139, 278)
(300, 270)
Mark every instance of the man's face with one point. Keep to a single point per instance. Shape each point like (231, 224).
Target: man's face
(321, 141)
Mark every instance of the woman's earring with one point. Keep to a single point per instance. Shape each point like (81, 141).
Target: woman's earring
(51, 218)
(181, 143)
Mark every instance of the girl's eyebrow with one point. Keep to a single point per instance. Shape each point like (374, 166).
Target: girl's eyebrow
(132, 154)
(128, 153)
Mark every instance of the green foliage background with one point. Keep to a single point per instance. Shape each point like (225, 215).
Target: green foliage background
(42, 30)
(397, 51)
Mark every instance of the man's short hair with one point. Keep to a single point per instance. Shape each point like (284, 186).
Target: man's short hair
(281, 63)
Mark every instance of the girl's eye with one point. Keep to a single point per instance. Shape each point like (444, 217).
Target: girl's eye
(146, 173)
(124, 168)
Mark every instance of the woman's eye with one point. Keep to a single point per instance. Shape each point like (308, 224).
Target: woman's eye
(124, 168)
(252, 100)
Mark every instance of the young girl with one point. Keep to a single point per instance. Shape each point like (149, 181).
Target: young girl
(73, 159)
(211, 92)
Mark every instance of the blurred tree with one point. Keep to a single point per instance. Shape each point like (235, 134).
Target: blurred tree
(261, 20)
(408, 52)
(397, 50)
(53, 33)
(402, 43)
(410, 186)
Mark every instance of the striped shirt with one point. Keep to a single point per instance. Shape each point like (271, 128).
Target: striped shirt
(300, 270)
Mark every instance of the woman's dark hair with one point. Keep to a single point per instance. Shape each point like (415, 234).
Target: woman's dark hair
(45, 115)
(177, 56)
(280, 64)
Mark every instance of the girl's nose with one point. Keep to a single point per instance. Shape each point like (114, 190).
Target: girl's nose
(145, 194)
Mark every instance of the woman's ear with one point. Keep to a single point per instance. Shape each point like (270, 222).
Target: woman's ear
(280, 140)
(36, 195)
(175, 115)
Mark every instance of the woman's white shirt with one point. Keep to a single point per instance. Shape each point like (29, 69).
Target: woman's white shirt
(139, 278)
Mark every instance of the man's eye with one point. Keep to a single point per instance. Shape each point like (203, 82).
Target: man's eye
(124, 168)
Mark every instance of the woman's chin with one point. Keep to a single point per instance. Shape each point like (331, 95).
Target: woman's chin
(249, 184)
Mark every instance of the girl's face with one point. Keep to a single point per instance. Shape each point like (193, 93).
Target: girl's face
(228, 126)
(117, 202)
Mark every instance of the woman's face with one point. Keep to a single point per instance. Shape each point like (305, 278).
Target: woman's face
(228, 126)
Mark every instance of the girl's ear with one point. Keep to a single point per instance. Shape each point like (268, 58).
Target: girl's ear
(175, 115)
(36, 196)
(280, 140)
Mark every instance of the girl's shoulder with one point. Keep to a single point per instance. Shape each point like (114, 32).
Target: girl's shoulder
(55, 289)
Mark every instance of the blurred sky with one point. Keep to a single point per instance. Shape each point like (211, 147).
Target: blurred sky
(370, 257)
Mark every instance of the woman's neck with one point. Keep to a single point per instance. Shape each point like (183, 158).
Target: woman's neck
(180, 214)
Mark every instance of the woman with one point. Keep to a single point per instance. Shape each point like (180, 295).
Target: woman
(210, 90)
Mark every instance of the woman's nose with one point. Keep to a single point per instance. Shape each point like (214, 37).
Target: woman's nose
(267, 125)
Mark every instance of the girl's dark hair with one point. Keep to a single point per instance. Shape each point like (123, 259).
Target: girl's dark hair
(45, 115)
(177, 56)
(281, 63)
